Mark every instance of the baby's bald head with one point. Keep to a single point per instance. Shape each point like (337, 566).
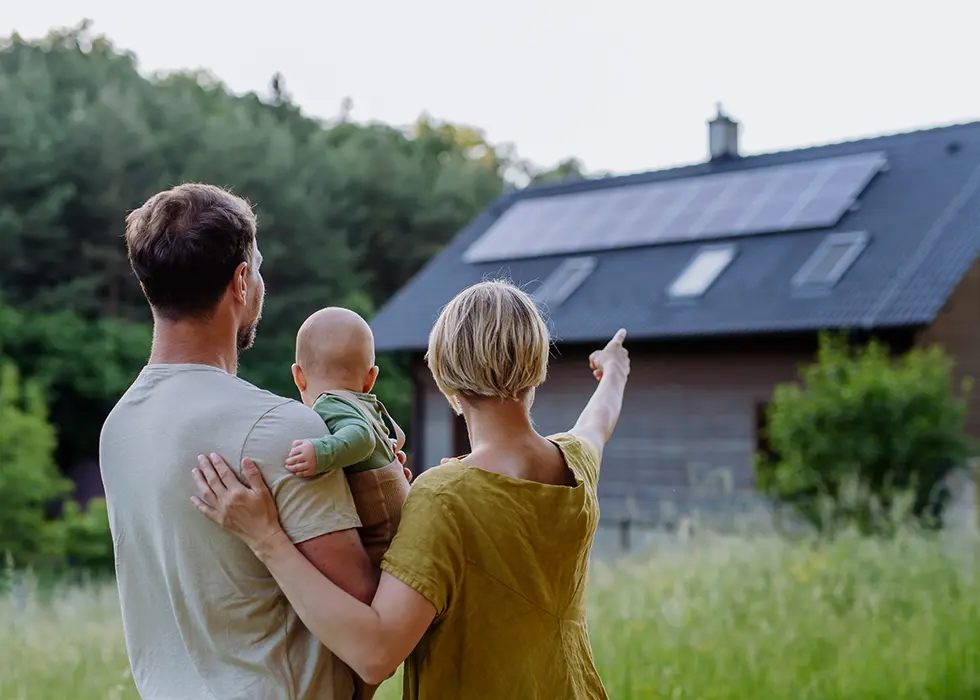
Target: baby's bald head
(335, 346)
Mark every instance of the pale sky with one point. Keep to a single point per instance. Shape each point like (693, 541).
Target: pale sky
(624, 85)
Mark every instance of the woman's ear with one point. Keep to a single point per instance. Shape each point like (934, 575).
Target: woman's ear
(299, 378)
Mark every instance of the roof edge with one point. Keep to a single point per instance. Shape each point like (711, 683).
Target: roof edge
(707, 166)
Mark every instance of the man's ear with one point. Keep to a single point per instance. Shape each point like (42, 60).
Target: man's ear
(299, 378)
(240, 281)
(371, 378)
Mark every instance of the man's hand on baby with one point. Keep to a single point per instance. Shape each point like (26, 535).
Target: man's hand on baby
(302, 459)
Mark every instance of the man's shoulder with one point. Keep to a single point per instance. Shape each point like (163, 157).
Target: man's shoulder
(204, 395)
(276, 428)
(261, 401)
(250, 401)
(289, 413)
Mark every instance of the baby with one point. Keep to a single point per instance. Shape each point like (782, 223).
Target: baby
(335, 372)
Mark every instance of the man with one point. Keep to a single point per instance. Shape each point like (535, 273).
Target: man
(202, 617)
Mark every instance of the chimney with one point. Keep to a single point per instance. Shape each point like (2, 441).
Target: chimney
(722, 136)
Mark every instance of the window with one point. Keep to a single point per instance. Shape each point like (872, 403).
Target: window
(702, 271)
(566, 278)
(835, 254)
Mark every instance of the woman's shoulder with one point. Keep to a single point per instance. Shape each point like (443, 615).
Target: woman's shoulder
(580, 455)
(575, 448)
(440, 478)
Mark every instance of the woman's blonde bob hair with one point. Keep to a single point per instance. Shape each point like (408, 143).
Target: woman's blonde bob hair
(491, 341)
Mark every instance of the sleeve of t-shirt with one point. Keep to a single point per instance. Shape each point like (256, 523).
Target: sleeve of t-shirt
(427, 553)
(581, 457)
(351, 438)
(308, 508)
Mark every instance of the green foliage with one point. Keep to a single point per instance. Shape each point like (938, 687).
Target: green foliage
(343, 207)
(82, 366)
(865, 435)
(347, 212)
(568, 169)
(29, 480)
(722, 619)
(84, 536)
(31, 488)
(394, 388)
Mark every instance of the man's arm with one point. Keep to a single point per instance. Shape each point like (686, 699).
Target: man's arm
(340, 556)
(372, 639)
(318, 514)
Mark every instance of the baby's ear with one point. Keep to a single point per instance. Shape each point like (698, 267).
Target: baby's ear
(371, 378)
(299, 378)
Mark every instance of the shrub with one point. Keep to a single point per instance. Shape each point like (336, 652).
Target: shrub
(862, 432)
(84, 537)
(29, 480)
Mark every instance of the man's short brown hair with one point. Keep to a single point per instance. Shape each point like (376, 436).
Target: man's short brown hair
(185, 244)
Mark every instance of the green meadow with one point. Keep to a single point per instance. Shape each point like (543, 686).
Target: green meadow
(716, 619)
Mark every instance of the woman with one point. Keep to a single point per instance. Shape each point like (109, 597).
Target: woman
(483, 588)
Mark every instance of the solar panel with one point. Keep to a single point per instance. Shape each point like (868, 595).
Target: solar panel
(798, 196)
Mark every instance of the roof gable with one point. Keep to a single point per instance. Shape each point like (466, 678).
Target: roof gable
(917, 222)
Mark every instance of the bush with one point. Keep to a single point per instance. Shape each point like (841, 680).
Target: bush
(864, 436)
(29, 480)
(31, 488)
(84, 537)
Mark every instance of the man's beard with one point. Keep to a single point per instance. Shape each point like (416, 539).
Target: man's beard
(246, 334)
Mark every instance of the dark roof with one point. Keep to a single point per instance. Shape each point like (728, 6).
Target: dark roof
(922, 217)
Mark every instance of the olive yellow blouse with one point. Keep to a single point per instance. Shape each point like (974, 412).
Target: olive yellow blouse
(505, 562)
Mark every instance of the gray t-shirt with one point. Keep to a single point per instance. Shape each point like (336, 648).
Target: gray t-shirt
(203, 617)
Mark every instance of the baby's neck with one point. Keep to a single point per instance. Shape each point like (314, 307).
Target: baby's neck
(316, 387)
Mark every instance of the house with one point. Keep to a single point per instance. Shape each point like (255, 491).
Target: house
(723, 272)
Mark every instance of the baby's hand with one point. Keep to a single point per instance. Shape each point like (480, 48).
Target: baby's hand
(302, 459)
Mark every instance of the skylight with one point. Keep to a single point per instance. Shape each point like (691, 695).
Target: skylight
(563, 282)
(832, 258)
(702, 271)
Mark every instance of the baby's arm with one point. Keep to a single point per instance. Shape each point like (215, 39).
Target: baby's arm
(351, 440)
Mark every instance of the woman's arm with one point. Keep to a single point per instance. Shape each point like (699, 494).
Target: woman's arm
(372, 639)
(611, 366)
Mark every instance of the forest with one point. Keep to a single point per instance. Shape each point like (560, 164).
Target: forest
(348, 212)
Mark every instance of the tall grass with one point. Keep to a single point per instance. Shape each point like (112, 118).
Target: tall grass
(721, 619)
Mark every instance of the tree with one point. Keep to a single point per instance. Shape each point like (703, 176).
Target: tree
(84, 537)
(29, 480)
(80, 367)
(568, 169)
(860, 432)
(348, 212)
